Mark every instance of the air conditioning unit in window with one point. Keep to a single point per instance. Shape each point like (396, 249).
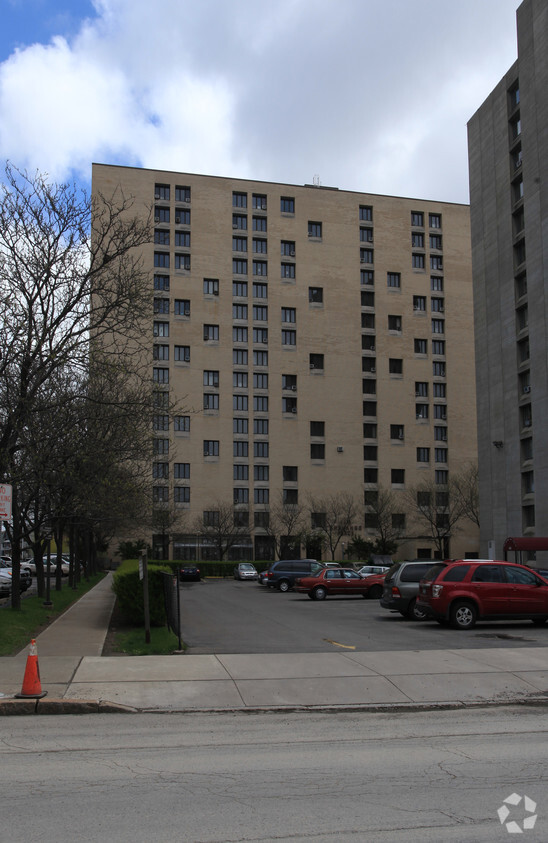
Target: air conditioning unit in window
(400, 435)
(265, 340)
(373, 369)
(187, 358)
(293, 409)
(156, 195)
(312, 366)
(234, 225)
(527, 389)
(340, 450)
(156, 219)
(177, 219)
(294, 388)
(371, 348)
(215, 292)
(292, 253)
(186, 311)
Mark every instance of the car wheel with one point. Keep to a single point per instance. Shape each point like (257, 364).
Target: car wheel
(375, 592)
(414, 613)
(320, 593)
(283, 585)
(539, 621)
(463, 615)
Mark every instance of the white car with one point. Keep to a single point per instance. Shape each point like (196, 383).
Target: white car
(369, 570)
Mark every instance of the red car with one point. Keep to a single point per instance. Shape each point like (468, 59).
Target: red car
(463, 591)
(334, 581)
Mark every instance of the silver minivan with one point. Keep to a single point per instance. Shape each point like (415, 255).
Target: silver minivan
(401, 587)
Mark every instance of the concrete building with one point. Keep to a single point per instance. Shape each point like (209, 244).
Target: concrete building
(322, 342)
(508, 151)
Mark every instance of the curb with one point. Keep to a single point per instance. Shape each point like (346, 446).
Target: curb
(13, 707)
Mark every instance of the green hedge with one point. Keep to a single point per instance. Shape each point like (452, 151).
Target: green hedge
(213, 569)
(128, 588)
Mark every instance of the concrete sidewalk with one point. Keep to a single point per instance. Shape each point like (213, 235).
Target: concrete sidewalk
(77, 678)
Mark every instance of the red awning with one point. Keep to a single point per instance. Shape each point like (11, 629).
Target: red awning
(526, 543)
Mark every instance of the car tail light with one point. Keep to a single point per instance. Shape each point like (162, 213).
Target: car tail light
(395, 591)
(437, 590)
(269, 574)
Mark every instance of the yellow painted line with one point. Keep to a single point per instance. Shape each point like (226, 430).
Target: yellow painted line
(336, 643)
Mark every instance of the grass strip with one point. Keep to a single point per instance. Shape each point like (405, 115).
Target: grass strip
(18, 626)
(132, 642)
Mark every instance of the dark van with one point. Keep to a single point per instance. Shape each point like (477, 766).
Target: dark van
(282, 574)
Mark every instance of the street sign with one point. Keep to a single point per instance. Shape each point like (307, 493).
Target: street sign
(5, 502)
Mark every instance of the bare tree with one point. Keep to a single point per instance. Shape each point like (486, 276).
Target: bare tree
(438, 510)
(385, 511)
(222, 528)
(333, 517)
(285, 526)
(465, 487)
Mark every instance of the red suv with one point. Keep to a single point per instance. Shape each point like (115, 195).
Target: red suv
(463, 591)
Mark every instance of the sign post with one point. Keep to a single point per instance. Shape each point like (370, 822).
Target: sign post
(5, 501)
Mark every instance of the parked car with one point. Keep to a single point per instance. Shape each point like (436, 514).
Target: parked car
(189, 573)
(25, 579)
(369, 570)
(401, 588)
(245, 571)
(5, 583)
(332, 581)
(262, 577)
(375, 585)
(65, 565)
(282, 574)
(463, 591)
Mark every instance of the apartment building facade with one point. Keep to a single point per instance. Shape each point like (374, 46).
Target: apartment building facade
(321, 341)
(508, 154)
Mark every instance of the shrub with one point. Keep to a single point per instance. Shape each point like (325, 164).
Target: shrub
(129, 590)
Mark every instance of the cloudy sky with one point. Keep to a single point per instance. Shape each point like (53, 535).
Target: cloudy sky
(370, 95)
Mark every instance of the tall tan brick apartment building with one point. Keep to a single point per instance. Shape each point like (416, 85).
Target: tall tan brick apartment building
(322, 340)
(508, 151)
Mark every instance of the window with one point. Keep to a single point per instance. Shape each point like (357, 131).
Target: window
(160, 422)
(314, 229)
(261, 496)
(417, 240)
(395, 366)
(316, 361)
(241, 495)
(369, 408)
(160, 329)
(160, 352)
(394, 323)
(182, 216)
(421, 346)
(367, 299)
(440, 434)
(421, 411)
(160, 399)
(239, 356)
(423, 454)
(260, 335)
(182, 194)
(240, 403)
(367, 277)
(160, 494)
(397, 476)
(368, 342)
(240, 449)
(239, 221)
(397, 431)
(317, 451)
(161, 215)
(436, 283)
(181, 494)
(317, 428)
(239, 289)
(398, 521)
(211, 448)
(239, 311)
(421, 389)
(366, 234)
(440, 390)
(290, 473)
(260, 268)
(260, 404)
(211, 401)
(240, 426)
(436, 262)
(182, 353)
(161, 236)
(289, 314)
(260, 427)
(161, 282)
(419, 304)
(287, 270)
(181, 307)
(287, 205)
(260, 381)
(260, 450)
(434, 220)
(438, 369)
(366, 213)
(289, 405)
(289, 382)
(437, 304)
(368, 321)
(260, 473)
(261, 520)
(258, 201)
(160, 375)
(161, 191)
(440, 454)
(369, 431)
(239, 244)
(438, 347)
(211, 286)
(211, 377)
(161, 259)
(239, 334)
(366, 255)
(315, 294)
(182, 261)
(441, 477)
(417, 261)
(290, 497)
(161, 446)
(287, 248)
(260, 291)
(393, 279)
(211, 332)
(182, 239)
(182, 423)
(181, 470)
(370, 453)
(239, 380)
(259, 246)
(417, 218)
(440, 411)
(239, 200)
(435, 241)
(259, 223)
(438, 326)
(160, 470)
(260, 313)
(369, 386)
(260, 358)
(240, 472)
(239, 266)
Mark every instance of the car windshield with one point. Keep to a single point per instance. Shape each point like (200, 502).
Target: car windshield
(247, 566)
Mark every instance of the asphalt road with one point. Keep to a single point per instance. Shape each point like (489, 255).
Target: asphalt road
(337, 777)
(226, 616)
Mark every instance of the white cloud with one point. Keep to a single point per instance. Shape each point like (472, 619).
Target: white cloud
(372, 96)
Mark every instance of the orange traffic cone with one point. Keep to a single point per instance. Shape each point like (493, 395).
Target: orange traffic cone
(32, 689)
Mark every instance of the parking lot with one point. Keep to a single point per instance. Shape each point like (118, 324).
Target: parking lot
(225, 616)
